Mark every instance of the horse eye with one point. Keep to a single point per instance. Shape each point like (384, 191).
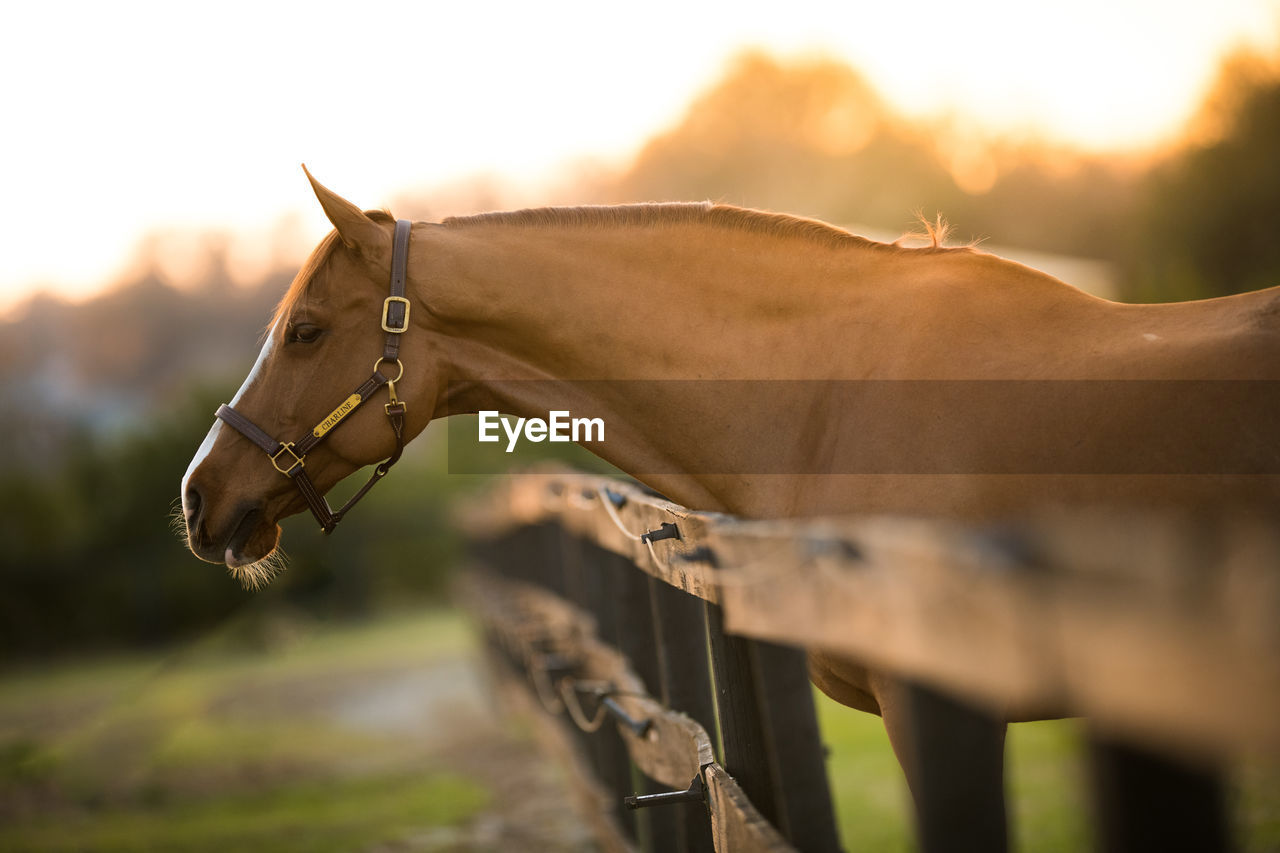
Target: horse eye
(304, 333)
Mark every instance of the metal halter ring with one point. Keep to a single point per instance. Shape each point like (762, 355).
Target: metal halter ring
(399, 364)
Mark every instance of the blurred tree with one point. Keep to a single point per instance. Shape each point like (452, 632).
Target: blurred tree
(90, 558)
(812, 137)
(1211, 211)
(1055, 201)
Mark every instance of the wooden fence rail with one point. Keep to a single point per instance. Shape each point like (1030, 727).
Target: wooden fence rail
(1164, 632)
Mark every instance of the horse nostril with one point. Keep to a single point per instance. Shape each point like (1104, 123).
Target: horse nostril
(191, 503)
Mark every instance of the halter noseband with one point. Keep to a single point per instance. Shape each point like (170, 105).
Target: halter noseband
(290, 457)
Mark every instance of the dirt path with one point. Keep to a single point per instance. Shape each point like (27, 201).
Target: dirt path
(447, 705)
(324, 741)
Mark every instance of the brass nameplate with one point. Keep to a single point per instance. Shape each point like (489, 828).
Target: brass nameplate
(335, 417)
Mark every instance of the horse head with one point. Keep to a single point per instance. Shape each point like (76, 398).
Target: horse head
(326, 336)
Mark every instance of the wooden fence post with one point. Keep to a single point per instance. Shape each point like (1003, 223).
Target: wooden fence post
(797, 754)
(658, 829)
(587, 587)
(956, 773)
(684, 682)
(740, 729)
(768, 736)
(1145, 801)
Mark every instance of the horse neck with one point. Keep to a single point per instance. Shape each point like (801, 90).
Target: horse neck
(625, 303)
(638, 309)
(642, 308)
(692, 301)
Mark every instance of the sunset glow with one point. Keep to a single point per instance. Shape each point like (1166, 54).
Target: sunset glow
(128, 118)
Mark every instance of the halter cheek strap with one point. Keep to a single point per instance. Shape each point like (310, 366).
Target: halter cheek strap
(290, 457)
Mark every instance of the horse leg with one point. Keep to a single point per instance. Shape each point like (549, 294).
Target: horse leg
(952, 754)
(953, 757)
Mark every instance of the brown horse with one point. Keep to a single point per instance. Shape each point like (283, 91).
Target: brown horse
(731, 301)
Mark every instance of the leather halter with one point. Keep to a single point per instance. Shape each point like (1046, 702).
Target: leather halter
(290, 457)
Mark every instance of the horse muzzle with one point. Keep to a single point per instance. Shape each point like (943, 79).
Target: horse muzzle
(245, 535)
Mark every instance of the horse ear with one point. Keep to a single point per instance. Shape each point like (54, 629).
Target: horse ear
(357, 231)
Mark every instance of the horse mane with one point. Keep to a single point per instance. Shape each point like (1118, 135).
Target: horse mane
(646, 215)
(681, 213)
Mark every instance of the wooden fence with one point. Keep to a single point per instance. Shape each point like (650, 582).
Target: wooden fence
(674, 640)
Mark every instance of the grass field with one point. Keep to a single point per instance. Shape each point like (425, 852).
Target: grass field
(872, 804)
(379, 737)
(351, 738)
(1046, 785)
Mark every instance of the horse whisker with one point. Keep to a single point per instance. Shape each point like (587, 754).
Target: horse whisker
(178, 519)
(255, 576)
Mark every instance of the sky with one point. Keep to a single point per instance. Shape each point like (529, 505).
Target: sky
(127, 119)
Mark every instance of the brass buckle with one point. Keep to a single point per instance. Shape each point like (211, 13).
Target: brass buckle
(386, 308)
(298, 461)
(391, 384)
